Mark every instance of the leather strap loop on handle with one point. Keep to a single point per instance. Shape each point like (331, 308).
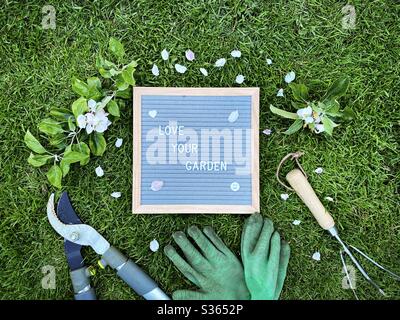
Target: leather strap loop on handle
(300, 184)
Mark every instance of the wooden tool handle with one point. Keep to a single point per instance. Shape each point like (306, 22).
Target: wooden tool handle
(300, 184)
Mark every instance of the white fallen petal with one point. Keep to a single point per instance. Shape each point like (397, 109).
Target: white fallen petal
(154, 245)
(329, 199)
(233, 116)
(319, 170)
(284, 196)
(269, 61)
(152, 113)
(155, 70)
(116, 194)
(267, 132)
(236, 54)
(99, 171)
(118, 143)
(235, 186)
(220, 62)
(189, 54)
(239, 79)
(280, 93)
(316, 256)
(180, 68)
(296, 222)
(290, 77)
(165, 54)
(204, 72)
(156, 185)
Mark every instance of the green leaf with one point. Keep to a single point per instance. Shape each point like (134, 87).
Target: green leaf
(127, 74)
(328, 125)
(58, 141)
(50, 127)
(116, 48)
(296, 126)
(71, 156)
(125, 94)
(94, 82)
(348, 113)
(283, 113)
(331, 107)
(38, 160)
(83, 149)
(337, 89)
(121, 84)
(32, 143)
(105, 73)
(97, 144)
(80, 87)
(100, 61)
(65, 166)
(300, 91)
(79, 107)
(54, 175)
(62, 114)
(113, 108)
(71, 124)
(298, 105)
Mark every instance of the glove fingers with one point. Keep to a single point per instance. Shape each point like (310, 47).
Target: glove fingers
(273, 259)
(216, 240)
(250, 234)
(188, 295)
(263, 244)
(203, 242)
(283, 264)
(182, 265)
(193, 256)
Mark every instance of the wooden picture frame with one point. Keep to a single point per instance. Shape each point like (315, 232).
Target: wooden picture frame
(143, 94)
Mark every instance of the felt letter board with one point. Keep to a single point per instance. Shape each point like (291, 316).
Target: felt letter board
(195, 150)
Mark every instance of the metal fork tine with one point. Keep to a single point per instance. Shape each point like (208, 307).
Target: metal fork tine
(347, 274)
(359, 267)
(394, 275)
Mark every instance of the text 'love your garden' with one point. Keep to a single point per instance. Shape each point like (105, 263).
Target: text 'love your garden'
(201, 150)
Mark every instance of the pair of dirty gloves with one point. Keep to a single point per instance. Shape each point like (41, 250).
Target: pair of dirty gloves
(220, 275)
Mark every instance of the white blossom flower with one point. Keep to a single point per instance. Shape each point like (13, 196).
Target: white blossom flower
(309, 120)
(236, 54)
(267, 132)
(269, 61)
(284, 196)
(180, 68)
(165, 54)
(155, 71)
(99, 171)
(118, 143)
(220, 62)
(290, 77)
(189, 54)
(296, 222)
(204, 72)
(319, 128)
(319, 170)
(116, 195)
(239, 79)
(94, 121)
(280, 93)
(154, 245)
(316, 256)
(305, 113)
(92, 105)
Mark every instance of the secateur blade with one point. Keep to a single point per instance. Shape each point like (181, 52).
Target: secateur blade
(66, 214)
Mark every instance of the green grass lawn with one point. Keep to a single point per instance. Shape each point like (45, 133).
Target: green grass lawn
(361, 160)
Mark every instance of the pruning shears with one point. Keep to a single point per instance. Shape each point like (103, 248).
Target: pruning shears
(76, 234)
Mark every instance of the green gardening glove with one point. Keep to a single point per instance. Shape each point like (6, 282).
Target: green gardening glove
(265, 258)
(215, 270)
